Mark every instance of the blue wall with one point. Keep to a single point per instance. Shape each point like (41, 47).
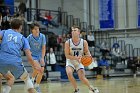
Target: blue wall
(11, 4)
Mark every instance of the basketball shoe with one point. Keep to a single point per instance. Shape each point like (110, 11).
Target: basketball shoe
(38, 89)
(76, 91)
(93, 90)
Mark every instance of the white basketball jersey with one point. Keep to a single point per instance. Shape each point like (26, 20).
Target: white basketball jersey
(76, 50)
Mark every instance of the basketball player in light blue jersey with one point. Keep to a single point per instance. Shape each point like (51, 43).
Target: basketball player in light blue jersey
(10, 57)
(75, 48)
(37, 42)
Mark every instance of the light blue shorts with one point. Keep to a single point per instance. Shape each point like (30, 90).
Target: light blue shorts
(16, 69)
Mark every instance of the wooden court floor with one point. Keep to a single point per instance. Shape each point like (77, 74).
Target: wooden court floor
(112, 85)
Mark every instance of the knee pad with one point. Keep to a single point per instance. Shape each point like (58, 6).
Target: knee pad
(25, 77)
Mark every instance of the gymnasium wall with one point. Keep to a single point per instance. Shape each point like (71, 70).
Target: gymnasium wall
(125, 15)
(125, 11)
(73, 7)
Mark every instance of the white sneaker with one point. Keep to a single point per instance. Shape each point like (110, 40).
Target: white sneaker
(76, 91)
(93, 90)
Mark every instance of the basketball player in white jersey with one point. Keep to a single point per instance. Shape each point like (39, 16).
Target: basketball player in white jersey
(74, 49)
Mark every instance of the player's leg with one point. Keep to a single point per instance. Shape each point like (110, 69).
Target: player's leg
(39, 76)
(38, 80)
(28, 83)
(81, 75)
(35, 72)
(10, 81)
(70, 71)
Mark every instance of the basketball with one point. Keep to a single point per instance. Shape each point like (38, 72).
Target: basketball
(86, 60)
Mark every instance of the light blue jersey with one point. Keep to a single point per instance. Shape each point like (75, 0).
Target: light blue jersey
(36, 44)
(11, 45)
(10, 53)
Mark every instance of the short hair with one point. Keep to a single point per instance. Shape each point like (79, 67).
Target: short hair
(33, 25)
(76, 27)
(16, 23)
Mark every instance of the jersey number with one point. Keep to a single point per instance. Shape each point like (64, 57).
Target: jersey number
(76, 53)
(11, 37)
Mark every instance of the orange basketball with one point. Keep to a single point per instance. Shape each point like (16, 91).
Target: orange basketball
(86, 60)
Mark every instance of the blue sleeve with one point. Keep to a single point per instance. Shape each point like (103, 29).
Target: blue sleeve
(44, 40)
(25, 44)
(28, 38)
(1, 33)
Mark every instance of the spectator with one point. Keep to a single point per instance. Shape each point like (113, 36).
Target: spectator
(116, 53)
(94, 67)
(51, 59)
(59, 42)
(6, 20)
(67, 37)
(64, 38)
(104, 65)
(2, 10)
(22, 8)
(104, 48)
(48, 20)
(123, 57)
(133, 63)
(52, 41)
(48, 16)
(90, 39)
(83, 35)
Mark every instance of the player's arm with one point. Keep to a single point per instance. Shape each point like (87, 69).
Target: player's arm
(86, 49)
(67, 52)
(43, 51)
(43, 55)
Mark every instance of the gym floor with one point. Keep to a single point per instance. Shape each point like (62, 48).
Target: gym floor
(112, 85)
